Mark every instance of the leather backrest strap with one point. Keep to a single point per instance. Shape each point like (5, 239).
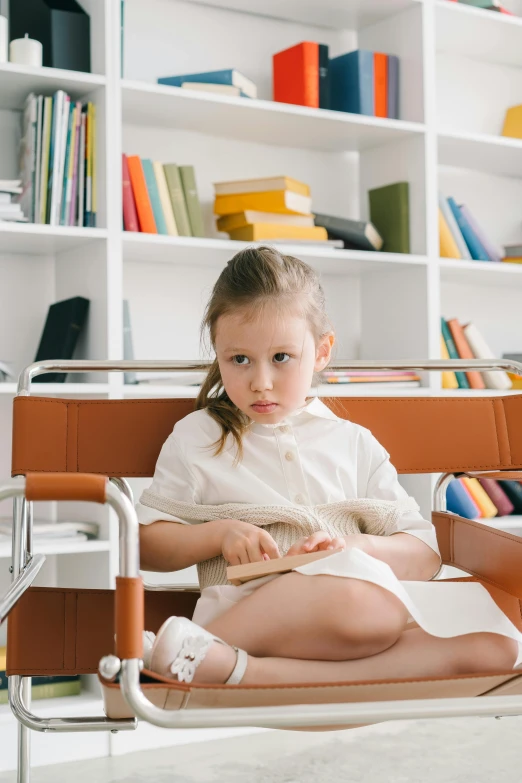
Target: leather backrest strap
(65, 486)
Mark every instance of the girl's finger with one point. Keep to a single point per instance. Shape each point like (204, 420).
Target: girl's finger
(269, 545)
(317, 540)
(254, 552)
(337, 543)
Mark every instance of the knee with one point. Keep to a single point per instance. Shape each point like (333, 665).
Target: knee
(486, 652)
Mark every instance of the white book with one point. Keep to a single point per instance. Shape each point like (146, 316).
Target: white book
(38, 157)
(449, 217)
(10, 209)
(10, 185)
(164, 197)
(54, 164)
(494, 379)
(61, 160)
(5, 198)
(224, 89)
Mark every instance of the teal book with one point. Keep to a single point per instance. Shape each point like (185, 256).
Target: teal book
(351, 82)
(68, 153)
(475, 246)
(453, 353)
(152, 188)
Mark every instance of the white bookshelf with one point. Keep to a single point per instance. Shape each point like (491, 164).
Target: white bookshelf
(460, 69)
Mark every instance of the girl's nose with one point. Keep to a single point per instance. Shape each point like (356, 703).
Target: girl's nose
(261, 380)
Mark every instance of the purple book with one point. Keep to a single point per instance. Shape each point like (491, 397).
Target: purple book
(498, 496)
(72, 210)
(493, 252)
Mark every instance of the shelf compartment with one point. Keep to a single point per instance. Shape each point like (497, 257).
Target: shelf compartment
(487, 273)
(62, 546)
(17, 81)
(497, 155)
(43, 240)
(264, 122)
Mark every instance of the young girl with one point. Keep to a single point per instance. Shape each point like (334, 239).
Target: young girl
(273, 473)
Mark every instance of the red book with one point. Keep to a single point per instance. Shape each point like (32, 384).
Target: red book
(296, 75)
(141, 195)
(130, 216)
(498, 496)
(380, 84)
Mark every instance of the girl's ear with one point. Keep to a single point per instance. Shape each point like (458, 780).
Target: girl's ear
(323, 351)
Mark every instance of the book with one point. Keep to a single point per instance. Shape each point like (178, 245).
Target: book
(494, 379)
(380, 84)
(390, 214)
(249, 216)
(13, 186)
(512, 251)
(494, 252)
(146, 219)
(498, 496)
(258, 231)
(512, 260)
(461, 481)
(486, 506)
(88, 165)
(5, 198)
(42, 529)
(281, 201)
(225, 76)
(449, 217)
(513, 122)
(130, 216)
(177, 199)
(475, 379)
(453, 354)
(475, 247)
(51, 691)
(38, 157)
(58, 184)
(56, 125)
(447, 245)
(27, 155)
(459, 501)
(324, 76)
(81, 169)
(513, 490)
(393, 110)
(153, 192)
(296, 75)
(356, 233)
(239, 574)
(261, 185)
(449, 380)
(351, 82)
(128, 348)
(71, 218)
(164, 197)
(63, 325)
(94, 206)
(190, 191)
(67, 160)
(223, 89)
(3, 658)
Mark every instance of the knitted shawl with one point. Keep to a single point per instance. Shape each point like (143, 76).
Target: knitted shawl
(286, 524)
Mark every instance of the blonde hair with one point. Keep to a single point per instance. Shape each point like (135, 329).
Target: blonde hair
(253, 278)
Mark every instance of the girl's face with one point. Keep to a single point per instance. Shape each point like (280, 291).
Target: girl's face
(267, 361)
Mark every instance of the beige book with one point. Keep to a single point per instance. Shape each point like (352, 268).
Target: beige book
(261, 185)
(245, 573)
(494, 379)
(166, 204)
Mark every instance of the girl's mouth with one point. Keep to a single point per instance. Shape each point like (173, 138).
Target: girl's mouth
(264, 407)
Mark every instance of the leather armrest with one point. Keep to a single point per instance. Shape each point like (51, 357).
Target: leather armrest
(489, 554)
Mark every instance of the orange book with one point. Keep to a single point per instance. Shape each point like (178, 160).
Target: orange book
(296, 75)
(380, 84)
(459, 338)
(141, 195)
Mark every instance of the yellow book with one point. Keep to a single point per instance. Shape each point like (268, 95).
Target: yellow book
(282, 201)
(3, 658)
(257, 231)
(240, 219)
(516, 380)
(449, 379)
(512, 259)
(166, 204)
(261, 185)
(480, 496)
(513, 122)
(448, 246)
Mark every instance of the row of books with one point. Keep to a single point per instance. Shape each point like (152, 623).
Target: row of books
(461, 235)
(58, 161)
(9, 209)
(160, 198)
(484, 498)
(376, 379)
(488, 5)
(466, 342)
(41, 687)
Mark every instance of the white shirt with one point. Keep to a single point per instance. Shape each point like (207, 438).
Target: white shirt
(310, 458)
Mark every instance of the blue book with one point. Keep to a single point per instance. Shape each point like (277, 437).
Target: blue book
(226, 76)
(475, 246)
(351, 82)
(155, 202)
(393, 87)
(459, 502)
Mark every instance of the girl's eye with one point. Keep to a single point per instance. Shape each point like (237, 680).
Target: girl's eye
(241, 360)
(281, 358)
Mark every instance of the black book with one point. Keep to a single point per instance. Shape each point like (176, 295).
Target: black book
(63, 325)
(514, 492)
(355, 233)
(324, 77)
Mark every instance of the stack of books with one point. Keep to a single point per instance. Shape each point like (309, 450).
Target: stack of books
(58, 161)
(227, 82)
(484, 498)
(373, 379)
(360, 82)
(466, 342)
(160, 198)
(461, 236)
(10, 210)
(273, 208)
(44, 531)
(41, 687)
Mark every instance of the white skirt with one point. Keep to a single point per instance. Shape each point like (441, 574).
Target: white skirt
(443, 609)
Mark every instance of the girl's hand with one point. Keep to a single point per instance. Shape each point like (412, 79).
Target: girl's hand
(317, 542)
(245, 543)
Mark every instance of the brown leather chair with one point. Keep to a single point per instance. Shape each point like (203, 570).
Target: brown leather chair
(67, 447)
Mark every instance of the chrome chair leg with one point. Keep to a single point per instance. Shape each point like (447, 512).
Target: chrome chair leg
(22, 513)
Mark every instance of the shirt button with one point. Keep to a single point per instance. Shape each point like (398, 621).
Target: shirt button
(284, 428)
(289, 456)
(299, 499)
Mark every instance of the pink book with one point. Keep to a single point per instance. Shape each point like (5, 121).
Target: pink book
(478, 515)
(498, 496)
(130, 215)
(72, 209)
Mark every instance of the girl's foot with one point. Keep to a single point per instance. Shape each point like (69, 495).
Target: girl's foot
(184, 651)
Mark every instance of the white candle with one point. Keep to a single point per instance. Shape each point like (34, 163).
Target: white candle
(3, 39)
(25, 51)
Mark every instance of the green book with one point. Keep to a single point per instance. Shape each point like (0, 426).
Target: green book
(52, 691)
(390, 214)
(188, 180)
(453, 354)
(177, 199)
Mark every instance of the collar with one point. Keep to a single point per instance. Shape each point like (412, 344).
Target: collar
(315, 407)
